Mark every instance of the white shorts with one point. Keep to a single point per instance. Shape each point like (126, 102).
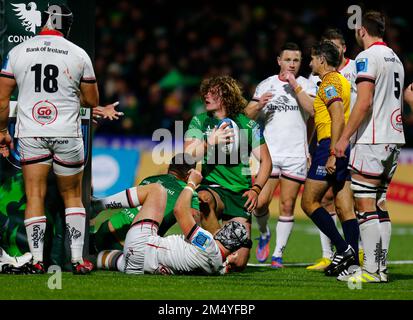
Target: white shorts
(374, 161)
(135, 245)
(289, 168)
(66, 154)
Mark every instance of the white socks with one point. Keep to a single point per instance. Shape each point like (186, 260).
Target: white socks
(385, 234)
(35, 230)
(283, 231)
(75, 228)
(370, 236)
(326, 245)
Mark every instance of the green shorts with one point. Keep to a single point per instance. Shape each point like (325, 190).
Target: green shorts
(233, 203)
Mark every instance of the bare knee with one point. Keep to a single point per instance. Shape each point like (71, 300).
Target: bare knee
(156, 190)
(287, 207)
(344, 212)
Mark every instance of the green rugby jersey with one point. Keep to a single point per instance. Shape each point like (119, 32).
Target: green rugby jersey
(233, 175)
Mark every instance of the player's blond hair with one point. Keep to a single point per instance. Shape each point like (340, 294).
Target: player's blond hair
(230, 92)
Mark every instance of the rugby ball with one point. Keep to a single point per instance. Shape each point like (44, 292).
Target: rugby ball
(229, 147)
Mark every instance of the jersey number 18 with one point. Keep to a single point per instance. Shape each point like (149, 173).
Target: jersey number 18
(51, 72)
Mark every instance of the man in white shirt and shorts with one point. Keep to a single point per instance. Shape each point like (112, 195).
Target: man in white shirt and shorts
(376, 131)
(54, 77)
(284, 102)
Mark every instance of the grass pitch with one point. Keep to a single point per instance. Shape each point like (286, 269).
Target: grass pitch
(255, 283)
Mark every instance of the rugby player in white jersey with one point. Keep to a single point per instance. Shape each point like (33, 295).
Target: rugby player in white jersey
(54, 77)
(284, 101)
(376, 131)
(347, 68)
(197, 251)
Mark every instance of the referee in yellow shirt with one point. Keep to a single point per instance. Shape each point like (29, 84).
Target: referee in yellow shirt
(331, 112)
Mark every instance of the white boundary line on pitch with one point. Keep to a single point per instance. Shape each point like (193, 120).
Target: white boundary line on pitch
(307, 264)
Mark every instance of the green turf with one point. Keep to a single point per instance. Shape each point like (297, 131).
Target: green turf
(253, 283)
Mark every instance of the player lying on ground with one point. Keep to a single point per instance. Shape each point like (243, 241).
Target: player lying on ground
(195, 252)
(112, 232)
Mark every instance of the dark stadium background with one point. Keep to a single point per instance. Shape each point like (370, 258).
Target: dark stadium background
(151, 55)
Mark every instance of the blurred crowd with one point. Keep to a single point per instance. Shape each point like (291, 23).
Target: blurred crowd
(152, 55)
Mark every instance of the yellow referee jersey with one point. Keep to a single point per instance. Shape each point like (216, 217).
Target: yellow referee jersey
(333, 87)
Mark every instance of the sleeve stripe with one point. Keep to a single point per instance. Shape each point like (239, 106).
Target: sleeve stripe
(6, 75)
(333, 100)
(364, 78)
(194, 228)
(88, 80)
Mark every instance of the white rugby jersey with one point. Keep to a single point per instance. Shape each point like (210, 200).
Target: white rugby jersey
(349, 72)
(176, 255)
(48, 70)
(284, 120)
(380, 65)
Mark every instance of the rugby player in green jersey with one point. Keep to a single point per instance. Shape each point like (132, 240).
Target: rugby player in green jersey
(227, 192)
(111, 233)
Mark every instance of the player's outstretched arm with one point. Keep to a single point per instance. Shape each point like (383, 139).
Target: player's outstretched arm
(183, 210)
(107, 112)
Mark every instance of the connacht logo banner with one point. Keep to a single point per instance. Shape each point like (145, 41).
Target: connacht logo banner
(22, 21)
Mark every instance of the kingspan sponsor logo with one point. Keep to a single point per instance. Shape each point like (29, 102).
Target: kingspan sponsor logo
(281, 107)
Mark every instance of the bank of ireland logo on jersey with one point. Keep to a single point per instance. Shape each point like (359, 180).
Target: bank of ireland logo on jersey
(44, 112)
(29, 15)
(396, 120)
